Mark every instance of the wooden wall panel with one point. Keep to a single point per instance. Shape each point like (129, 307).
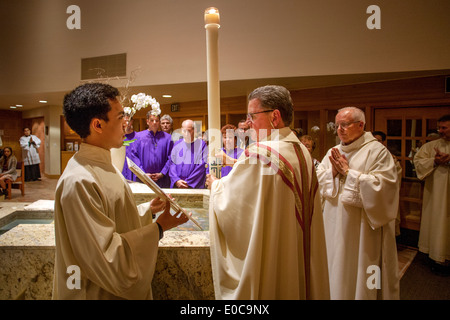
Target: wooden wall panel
(319, 105)
(11, 124)
(405, 92)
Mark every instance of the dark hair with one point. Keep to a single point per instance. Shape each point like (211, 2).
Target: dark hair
(444, 118)
(3, 156)
(227, 127)
(381, 134)
(275, 98)
(167, 117)
(309, 138)
(10, 149)
(87, 102)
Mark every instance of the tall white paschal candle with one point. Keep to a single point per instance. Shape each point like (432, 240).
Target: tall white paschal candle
(212, 25)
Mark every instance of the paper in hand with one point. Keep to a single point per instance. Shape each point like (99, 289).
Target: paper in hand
(157, 190)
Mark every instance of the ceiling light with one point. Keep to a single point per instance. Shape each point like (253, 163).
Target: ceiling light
(167, 96)
(13, 107)
(42, 101)
(19, 105)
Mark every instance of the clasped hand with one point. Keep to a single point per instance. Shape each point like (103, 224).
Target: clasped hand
(155, 176)
(339, 163)
(441, 158)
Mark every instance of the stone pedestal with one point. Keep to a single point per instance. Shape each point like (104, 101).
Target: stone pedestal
(27, 251)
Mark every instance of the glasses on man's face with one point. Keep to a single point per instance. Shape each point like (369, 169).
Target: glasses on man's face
(250, 116)
(345, 125)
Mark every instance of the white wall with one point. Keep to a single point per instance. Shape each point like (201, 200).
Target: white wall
(258, 39)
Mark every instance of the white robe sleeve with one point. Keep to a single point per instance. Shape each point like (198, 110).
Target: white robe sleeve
(145, 213)
(424, 161)
(351, 194)
(377, 189)
(329, 186)
(24, 143)
(373, 189)
(37, 141)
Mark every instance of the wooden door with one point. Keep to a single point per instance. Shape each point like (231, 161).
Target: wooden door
(407, 129)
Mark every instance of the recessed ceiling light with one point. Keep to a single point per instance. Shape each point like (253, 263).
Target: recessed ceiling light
(19, 105)
(13, 107)
(42, 101)
(167, 96)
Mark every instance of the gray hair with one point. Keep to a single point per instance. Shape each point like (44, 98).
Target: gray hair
(167, 117)
(274, 97)
(357, 114)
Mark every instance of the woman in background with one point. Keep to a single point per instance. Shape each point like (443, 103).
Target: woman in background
(8, 163)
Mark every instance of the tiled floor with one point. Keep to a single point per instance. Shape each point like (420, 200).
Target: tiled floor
(45, 189)
(35, 190)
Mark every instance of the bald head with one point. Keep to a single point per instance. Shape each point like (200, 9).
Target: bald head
(187, 129)
(350, 123)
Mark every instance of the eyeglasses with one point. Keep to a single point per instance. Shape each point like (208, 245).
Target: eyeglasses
(250, 115)
(345, 125)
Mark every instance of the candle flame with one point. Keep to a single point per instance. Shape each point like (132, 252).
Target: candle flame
(212, 10)
(212, 17)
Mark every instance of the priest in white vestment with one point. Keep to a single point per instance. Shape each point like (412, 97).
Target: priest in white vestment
(105, 247)
(266, 227)
(360, 193)
(432, 163)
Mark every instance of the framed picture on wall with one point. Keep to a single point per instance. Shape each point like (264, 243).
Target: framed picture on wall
(69, 146)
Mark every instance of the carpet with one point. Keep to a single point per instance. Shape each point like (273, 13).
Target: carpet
(420, 282)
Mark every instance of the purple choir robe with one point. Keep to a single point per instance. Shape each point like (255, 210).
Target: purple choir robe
(235, 153)
(188, 163)
(126, 172)
(151, 152)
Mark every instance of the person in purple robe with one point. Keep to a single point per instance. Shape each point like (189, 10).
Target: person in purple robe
(130, 135)
(151, 151)
(230, 152)
(188, 160)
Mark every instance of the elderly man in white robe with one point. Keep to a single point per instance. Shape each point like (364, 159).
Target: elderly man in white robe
(360, 193)
(432, 164)
(266, 227)
(106, 247)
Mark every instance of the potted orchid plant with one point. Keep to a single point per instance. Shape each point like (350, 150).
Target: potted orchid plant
(140, 101)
